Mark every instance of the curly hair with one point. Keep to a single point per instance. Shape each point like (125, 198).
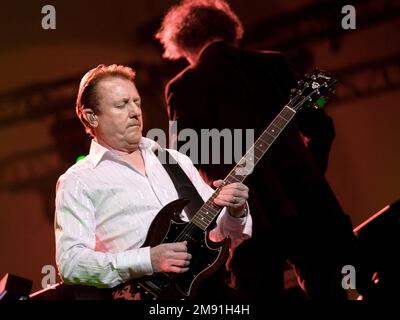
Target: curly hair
(87, 96)
(194, 23)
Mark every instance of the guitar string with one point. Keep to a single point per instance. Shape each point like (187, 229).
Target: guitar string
(190, 228)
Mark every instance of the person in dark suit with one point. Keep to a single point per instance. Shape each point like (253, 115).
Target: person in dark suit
(297, 218)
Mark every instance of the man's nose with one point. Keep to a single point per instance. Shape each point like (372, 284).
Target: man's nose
(134, 109)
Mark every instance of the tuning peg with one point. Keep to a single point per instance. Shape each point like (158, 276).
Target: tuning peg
(300, 82)
(293, 91)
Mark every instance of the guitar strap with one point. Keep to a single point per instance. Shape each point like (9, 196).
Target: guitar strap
(182, 183)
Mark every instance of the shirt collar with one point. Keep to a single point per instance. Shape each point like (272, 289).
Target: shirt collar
(97, 151)
(211, 49)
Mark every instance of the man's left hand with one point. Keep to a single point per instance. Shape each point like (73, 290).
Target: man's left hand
(232, 196)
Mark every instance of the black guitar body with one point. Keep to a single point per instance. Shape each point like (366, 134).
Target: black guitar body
(207, 257)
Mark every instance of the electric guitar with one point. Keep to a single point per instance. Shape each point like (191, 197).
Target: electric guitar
(209, 256)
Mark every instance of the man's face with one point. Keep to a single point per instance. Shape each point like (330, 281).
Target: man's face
(119, 120)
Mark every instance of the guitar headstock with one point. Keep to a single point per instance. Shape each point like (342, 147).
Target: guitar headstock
(313, 90)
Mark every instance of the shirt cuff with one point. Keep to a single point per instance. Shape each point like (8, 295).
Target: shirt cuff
(243, 215)
(135, 263)
(236, 227)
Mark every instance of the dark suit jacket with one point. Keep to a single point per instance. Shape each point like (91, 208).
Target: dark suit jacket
(295, 213)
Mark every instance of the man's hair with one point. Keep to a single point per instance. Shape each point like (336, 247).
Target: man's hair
(87, 95)
(194, 23)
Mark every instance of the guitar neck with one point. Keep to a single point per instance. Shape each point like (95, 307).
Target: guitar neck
(207, 213)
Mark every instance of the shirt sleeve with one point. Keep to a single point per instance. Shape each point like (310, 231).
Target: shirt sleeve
(238, 229)
(76, 256)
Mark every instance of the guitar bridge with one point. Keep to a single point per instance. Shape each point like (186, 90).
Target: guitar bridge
(156, 285)
(150, 287)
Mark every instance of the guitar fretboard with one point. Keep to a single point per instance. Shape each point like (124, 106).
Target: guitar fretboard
(207, 213)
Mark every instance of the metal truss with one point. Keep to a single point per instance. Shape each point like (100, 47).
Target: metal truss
(368, 79)
(318, 21)
(26, 170)
(48, 99)
(37, 101)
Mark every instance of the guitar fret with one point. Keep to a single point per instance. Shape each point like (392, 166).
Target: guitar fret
(287, 113)
(209, 206)
(273, 130)
(210, 212)
(269, 136)
(234, 178)
(257, 149)
(261, 146)
(203, 218)
(206, 214)
(198, 224)
(260, 152)
(266, 139)
(284, 114)
(280, 122)
(199, 219)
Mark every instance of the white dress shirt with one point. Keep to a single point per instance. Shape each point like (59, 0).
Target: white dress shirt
(104, 208)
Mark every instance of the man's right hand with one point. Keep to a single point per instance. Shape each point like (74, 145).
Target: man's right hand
(170, 257)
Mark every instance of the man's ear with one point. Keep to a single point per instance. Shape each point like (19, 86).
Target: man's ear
(90, 117)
